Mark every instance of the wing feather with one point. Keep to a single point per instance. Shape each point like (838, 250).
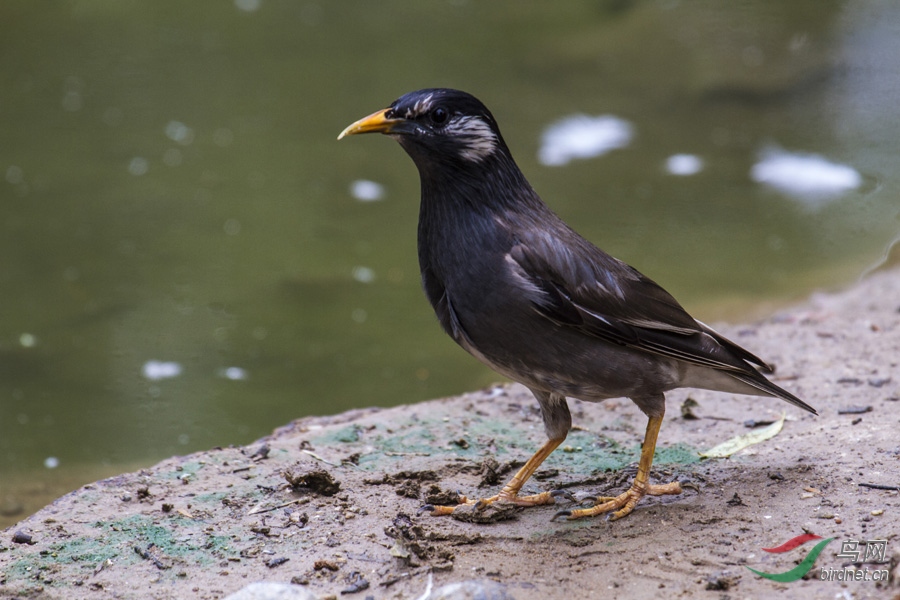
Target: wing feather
(585, 288)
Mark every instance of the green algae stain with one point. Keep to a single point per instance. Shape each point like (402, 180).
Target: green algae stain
(588, 454)
(116, 541)
(677, 454)
(139, 529)
(474, 436)
(584, 453)
(345, 435)
(88, 551)
(212, 498)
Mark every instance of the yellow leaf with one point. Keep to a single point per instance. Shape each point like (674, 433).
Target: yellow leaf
(736, 444)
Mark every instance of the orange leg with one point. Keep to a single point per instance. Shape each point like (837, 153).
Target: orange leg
(624, 503)
(510, 492)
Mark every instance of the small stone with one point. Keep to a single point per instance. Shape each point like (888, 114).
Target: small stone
(314, 479)
(854, 410)
(687, 409)
(22, 537)
(465, 590)
(736, 501)
(409, 489)
(722, 581)
(277, 562)
(326, 564)
(357, 583)
(270, 590)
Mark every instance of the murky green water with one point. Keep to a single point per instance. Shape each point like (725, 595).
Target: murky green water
(172, 191)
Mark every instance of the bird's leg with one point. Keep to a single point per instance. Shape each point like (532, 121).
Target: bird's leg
(510, 492)
(624, 503)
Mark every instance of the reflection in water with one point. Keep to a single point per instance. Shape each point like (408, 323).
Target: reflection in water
(365, 190)
(172, 192)
(234, 373)
(363, 274)
(154, 370)
(684, 164)
(810, 178)
(582, 137)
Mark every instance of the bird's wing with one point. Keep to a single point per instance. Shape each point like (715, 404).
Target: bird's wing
(583, 287)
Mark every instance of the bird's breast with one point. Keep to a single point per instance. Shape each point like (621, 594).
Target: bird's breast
(486, 303)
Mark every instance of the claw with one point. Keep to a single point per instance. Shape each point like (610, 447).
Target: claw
(595, 500)
(563, 494)
(687, 483)
(425, 508)
(562, 513)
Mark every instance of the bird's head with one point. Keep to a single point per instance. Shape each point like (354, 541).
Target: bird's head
(437, 126)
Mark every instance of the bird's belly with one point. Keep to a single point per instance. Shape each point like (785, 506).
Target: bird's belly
(514, 340)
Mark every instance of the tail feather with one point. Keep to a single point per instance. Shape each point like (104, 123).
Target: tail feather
(756, 380)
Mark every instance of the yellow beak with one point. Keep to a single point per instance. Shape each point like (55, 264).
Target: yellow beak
(375, 123)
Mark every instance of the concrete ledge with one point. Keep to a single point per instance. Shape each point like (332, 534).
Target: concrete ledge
(329, 503)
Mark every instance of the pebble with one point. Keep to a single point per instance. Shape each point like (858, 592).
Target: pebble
(21, 537)
(270, 590)
(466, 590)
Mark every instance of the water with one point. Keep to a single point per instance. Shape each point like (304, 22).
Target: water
(188, 257)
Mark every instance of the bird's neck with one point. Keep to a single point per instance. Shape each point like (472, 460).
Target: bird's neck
(473, 190)
(462, 212)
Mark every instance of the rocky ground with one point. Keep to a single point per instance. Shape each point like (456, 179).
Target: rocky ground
(330, 504)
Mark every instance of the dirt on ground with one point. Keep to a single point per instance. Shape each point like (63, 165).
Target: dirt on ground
(332, 504)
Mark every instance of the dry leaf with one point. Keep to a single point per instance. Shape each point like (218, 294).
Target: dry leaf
(736, 444)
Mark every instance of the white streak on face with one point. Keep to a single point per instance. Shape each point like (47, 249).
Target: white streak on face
(421, 107)
(478, 139)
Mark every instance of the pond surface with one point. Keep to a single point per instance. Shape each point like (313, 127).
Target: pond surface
(188, 258)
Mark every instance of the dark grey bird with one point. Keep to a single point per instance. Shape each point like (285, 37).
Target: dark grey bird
(525, 294)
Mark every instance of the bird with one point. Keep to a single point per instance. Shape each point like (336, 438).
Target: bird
(521, 291)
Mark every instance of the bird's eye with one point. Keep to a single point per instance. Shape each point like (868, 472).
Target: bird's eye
(439, 115)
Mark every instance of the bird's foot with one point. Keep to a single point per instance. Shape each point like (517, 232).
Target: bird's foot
(622, 504)
(504, 498)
